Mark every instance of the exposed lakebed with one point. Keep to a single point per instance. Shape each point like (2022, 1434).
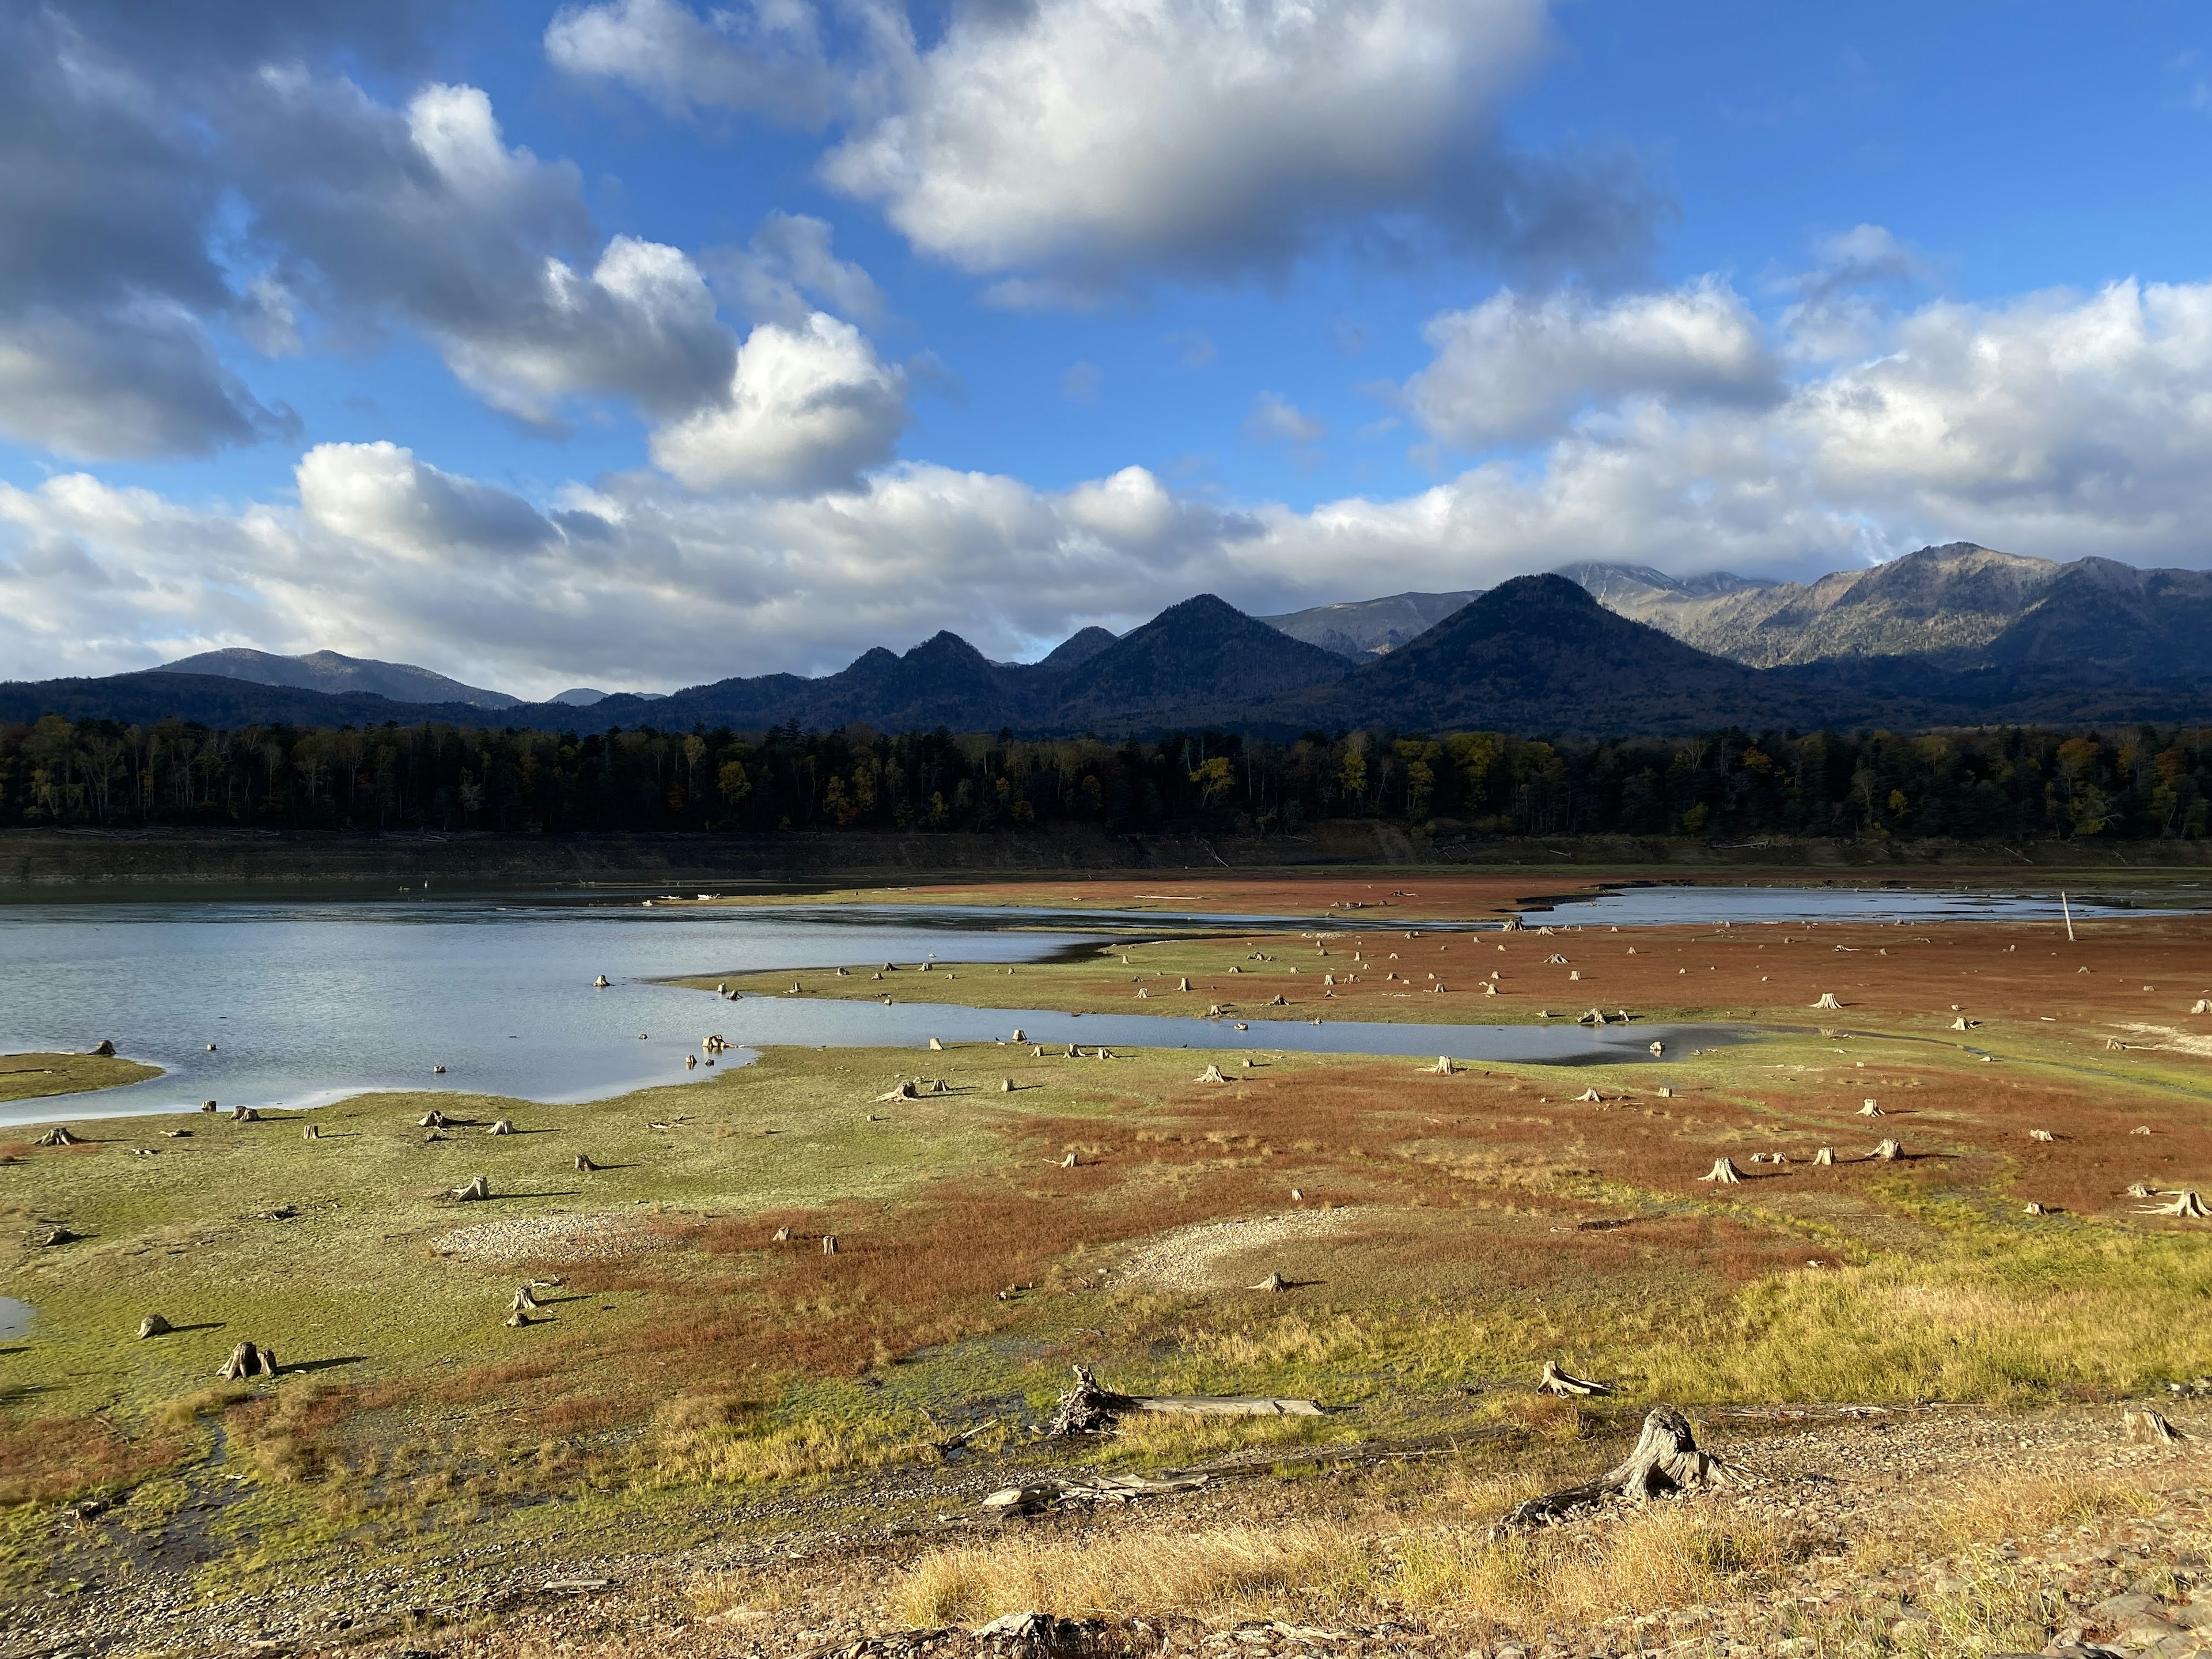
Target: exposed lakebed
(308, 1002)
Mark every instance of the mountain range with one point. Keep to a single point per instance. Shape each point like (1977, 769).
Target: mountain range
(1958, 634)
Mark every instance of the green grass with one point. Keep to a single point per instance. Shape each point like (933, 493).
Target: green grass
(30, 1077)
(676, 1377)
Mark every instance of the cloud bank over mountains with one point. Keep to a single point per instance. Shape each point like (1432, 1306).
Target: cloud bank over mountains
(186, 206)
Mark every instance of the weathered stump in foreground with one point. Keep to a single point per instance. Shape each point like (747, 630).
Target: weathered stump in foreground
(1667, 1458)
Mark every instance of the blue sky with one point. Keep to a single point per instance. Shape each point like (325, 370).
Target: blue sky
(1016, 315)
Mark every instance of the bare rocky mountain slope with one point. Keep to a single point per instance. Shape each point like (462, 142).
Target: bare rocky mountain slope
(1950, 603)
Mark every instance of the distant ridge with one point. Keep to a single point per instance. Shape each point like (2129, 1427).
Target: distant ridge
(327, 671)
(1953, 635)
(1359, 629)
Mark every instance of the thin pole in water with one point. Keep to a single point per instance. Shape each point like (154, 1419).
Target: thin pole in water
(2068, 910)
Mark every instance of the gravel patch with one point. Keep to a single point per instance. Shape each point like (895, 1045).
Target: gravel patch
(1196, 1258)
(550, 1238)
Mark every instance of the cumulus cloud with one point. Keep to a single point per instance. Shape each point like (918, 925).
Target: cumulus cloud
(424, 216)
(106, 280)
(173, 192)
(762, 57)
(1515, 367)
(1070, 146)
(787, 271)
(807, 408)
(2057, 424)
(1090, 138)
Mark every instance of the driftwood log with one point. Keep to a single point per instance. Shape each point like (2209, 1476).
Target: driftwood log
(153, 1325)
(1035, 1495)
(248, 1360)
(1555, 1381)
(1086, 1409)
(1666, 1459)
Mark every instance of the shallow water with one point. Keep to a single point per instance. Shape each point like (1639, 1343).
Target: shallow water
(14, 1317)
(1661, 907)
(308, 1001)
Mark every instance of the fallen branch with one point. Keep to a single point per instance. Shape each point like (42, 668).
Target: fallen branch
(1035, 1496)
(1089, 1409)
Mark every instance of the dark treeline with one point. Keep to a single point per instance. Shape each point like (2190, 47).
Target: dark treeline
(2007, 784)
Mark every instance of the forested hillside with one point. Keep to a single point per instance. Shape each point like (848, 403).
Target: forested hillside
(2141, 783)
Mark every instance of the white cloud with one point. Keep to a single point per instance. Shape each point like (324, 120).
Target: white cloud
(808, 408)
(787, 271)
(426, 216)
(2057, 424)
(1516, 368)
(1274, 419)
(1093, 136)
(763, 56)
(1069, 146)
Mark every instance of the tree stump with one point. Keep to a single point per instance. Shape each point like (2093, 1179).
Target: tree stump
(1068, 1162)
(2202, 1005)
(1182, 985)
(58, 1136)
(504, 1127)
(1826, 1155)
(2034, 1209)
(207, 1105)
(524, 1302)
(1828, 1000)
(2136, 1189)
(829, 1243)
(2144, 1423)
(106, 1049)
(584, 1165)
(1272, 1282)
(245, 1115)
(1590, 1097)
(1555, 1381)
(1006, 1085)
(781, 1236)
(433, 1118)
(311, 1131)
(2041, 1135)
(248, 1360)
(600, 983)
(478, 1190)
(1657, 1049)
(60, 1236)
(1889, 1152)
(2184, 1203)
(1962, 1023)
(2114, 1045)
(153, 1325)
(1723, 1173)
(935, 1047)
(516, 1319)
(1211, 1074)
(1666, 1459)
(1872, 1110)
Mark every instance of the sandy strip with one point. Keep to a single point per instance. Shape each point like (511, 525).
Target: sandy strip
(1196, 1258)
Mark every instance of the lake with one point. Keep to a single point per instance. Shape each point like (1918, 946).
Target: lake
(308, 1001)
